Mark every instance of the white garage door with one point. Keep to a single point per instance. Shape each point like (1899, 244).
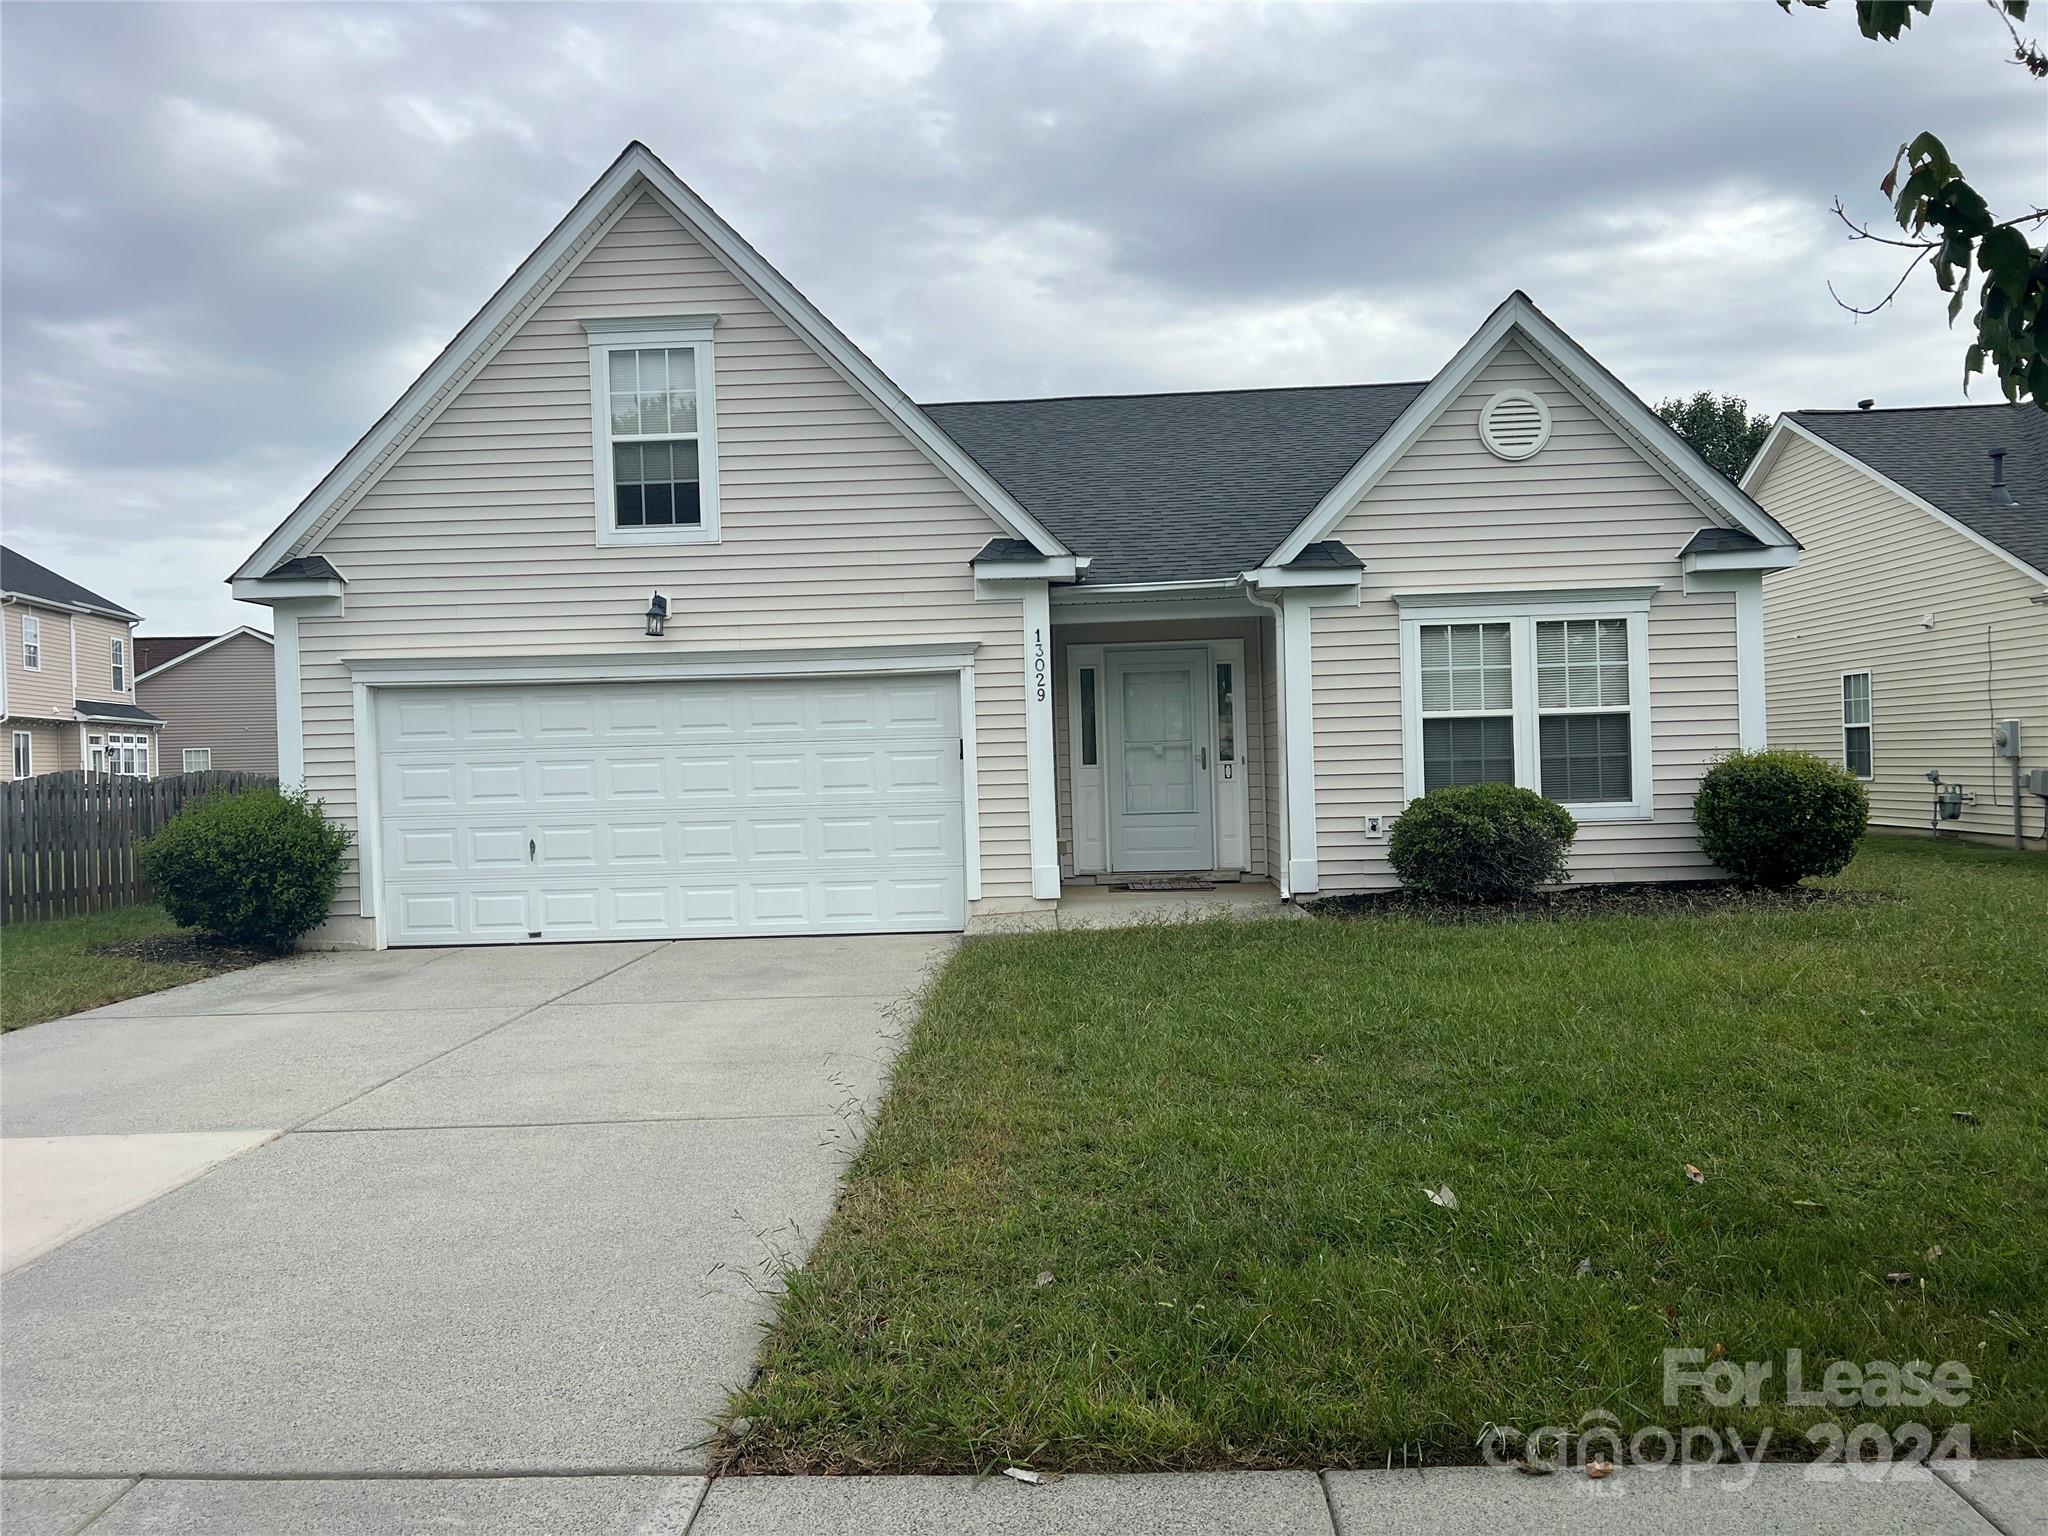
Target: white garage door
(670, 810)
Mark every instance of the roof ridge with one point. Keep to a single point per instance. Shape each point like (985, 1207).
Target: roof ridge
(1900, 410)
(1171, 394)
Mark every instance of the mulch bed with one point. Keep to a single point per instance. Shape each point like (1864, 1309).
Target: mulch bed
(1638, 899)
(216, 955)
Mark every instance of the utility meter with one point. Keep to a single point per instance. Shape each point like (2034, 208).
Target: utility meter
(2005, 738)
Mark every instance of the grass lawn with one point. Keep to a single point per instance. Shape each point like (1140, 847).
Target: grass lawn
(1215, 1140)
(47, 972)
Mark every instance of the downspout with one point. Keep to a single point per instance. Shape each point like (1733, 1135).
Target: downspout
(1272, 606)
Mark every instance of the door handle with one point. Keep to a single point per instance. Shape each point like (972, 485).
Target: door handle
(1202, 757)
(529, 850)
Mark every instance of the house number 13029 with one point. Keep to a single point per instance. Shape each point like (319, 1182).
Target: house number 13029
(1038, 665)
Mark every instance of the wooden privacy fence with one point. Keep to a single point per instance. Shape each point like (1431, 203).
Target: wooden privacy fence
(68, 840)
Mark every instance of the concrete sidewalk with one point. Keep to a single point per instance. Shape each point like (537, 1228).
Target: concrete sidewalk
(1965, 1499)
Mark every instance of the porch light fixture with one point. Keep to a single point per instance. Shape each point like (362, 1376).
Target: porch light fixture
(657, 615)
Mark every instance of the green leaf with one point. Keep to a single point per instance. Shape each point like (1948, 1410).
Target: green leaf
(2005, 256)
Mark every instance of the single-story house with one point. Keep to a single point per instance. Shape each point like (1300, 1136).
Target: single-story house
(654, 608)
(1918, 621)
(218, 698)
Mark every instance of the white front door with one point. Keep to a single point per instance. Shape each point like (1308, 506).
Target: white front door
(671, 810)
(1159, 801)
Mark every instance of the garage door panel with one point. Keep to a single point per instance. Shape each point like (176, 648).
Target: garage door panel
(642, 810)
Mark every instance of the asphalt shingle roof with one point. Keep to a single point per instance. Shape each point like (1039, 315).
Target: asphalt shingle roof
(1174, 487)
(23, 577)
(1942, 454)
(152, 651)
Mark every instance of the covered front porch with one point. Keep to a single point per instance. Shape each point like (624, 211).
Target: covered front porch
(1165, 743)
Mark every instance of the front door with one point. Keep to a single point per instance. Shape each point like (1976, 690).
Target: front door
(1159, 799)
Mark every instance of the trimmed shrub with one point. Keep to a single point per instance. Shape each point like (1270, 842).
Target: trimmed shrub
(256, 867)
(1481, 842)
(1771, 818)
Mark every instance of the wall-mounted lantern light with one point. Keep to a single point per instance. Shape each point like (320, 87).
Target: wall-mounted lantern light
(657, 614)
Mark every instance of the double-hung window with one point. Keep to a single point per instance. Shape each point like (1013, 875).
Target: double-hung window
(655, 439)
(24, 755)
(197, 759)
(31, 642)
(120, 666)
(1856, 723)
(1546, 691)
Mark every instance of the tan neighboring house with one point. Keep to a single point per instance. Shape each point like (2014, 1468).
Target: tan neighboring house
(655, 609)
(217, 695)
(67, 690)
(1918, 619)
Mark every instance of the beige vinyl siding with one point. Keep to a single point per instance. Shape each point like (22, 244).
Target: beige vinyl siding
(1587, 511)
(836, 530)
(225, 700)
(48, 694)
(52, 748)
(1255, 714)
(1875, 566)
(96, 658)
(44, 694)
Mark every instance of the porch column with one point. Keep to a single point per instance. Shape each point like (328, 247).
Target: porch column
(1297, 741)
(1042, 797)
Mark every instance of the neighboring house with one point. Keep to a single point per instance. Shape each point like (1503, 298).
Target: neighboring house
(217, 695)
(655, 609)
(67, 690)
(1920, 613)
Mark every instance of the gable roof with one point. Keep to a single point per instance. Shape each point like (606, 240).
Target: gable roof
(637, 172)
(24, 578)
(1942, 455)
(156, 653)
(1518, 318)
(1174, 487)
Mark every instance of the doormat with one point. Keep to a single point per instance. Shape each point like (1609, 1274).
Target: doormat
(1168, 885)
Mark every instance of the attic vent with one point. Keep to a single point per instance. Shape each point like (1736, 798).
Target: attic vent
(1514, 424)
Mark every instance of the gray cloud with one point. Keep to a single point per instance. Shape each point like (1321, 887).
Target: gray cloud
(233, 234)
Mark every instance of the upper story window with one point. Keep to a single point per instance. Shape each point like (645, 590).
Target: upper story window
(31, 642)
(1553, 697)
(120, 666)
(655, 437)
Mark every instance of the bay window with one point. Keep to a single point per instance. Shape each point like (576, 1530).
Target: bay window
(1547, 691)
(654, 438)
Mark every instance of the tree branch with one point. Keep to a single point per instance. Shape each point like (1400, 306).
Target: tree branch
(2025, 53)
(1880, 304)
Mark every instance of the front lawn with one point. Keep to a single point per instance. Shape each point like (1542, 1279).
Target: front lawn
(1156, 1198)
(48, 968)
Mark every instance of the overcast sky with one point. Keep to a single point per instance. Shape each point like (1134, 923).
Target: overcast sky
(233, 235)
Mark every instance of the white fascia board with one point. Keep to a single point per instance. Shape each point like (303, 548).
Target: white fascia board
(270, 591)
(1452, 605)
(1786, 429)
(634, 171)
(1052, 568)
(1774, 557)
(122, 614)
(660, 665)
(200, 650)
(1517, 316)
(1274, 578)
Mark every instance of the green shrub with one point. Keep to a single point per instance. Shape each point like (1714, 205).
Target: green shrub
(1771, 818)
(257, 867)
(1481, 842)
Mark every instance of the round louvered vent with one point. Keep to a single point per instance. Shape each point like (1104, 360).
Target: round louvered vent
(1514, 424)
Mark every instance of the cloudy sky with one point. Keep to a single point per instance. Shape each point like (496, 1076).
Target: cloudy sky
(233, 235)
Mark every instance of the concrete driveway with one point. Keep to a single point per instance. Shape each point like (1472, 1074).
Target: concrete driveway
(483, 1213)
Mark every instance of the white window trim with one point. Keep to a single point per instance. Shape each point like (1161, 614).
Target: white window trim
(609, 336)
(118, 655)
(185, 756)
(137, 742)
(1869, 725)
(23, 761)
(1521, 612)
(31, 626)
